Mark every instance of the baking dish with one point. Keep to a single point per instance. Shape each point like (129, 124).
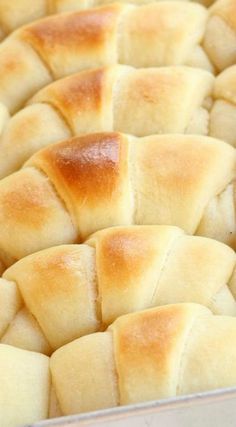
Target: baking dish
(209, 409)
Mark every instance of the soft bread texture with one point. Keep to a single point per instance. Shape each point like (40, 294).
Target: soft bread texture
(153, 354)
(175, 99)
(158, 353)
(220, 35)
(71, 189)
(20, 12)
(222, 123)
(57, 295)
(117, 98)
(25, 386)
(157, 34)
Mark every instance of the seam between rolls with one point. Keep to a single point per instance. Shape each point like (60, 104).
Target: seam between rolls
(115, 90)
(201, 45)
(231, 277)
(126, 9)
(60, 114)
(222, 98)
(210, 200)
(165, 262)
(50, 7)
(217, 195)
(11, 321)
(29, 44)
(3, 256)
(57, 194)
(52, 389)
(97, 302)
(211, 299)
(132, 166)
(116, 373)
(4, 29)
(20, 308)
(24, 305)
(185, 345)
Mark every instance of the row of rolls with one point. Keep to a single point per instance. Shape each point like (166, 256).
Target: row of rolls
(117, 203)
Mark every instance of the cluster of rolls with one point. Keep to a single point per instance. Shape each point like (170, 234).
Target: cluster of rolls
(117, 203)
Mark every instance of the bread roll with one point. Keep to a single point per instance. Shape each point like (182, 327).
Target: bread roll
(157, 34)
(220, 35)
(116, 98)
(71, 189)
(25, 386)
(59, 294)
(154, 354)
(175, 99)
(20, 12)
(149, 355)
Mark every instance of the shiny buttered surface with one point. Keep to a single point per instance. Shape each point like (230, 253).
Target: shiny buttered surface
(154, 354)
(59, 294)
(71, 189)
(151, 35)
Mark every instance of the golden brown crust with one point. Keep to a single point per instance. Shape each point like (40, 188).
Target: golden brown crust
(81, 160)
(82, 99)
(149, 345)
(90, 174)
(112, 179)
(63, 44)
(44, 219)
(61, 39)
(158, 353)
(73, 290)
(162, 352)
(139, 102)
(129, 262)
(59, 288)
(77, 93)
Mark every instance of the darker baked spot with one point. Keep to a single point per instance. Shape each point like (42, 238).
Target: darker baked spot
(125, 254)
(152, 334)
(84, 29)
(89, 166)
(81, 92)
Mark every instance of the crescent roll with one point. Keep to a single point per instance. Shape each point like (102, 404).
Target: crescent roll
(59, 294)
(175, 99)
(71, 189)
(157, 34)
(117, 98)
(154, 354)
(20, 12)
